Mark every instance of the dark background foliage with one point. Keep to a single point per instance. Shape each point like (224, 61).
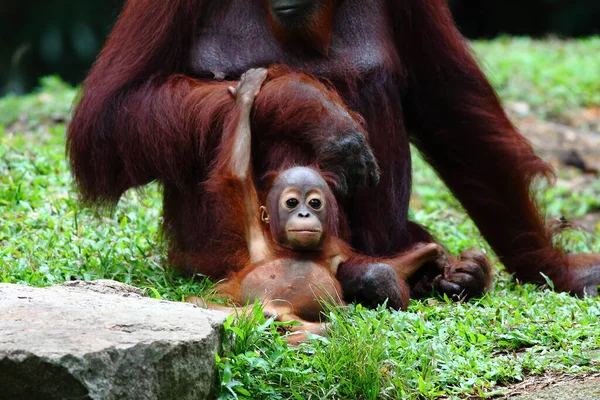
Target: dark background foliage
(42, 37)
(489, 18)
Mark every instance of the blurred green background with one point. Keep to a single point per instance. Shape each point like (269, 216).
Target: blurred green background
(39, 38)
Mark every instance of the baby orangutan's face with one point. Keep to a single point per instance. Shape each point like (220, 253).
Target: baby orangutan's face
(298, 201)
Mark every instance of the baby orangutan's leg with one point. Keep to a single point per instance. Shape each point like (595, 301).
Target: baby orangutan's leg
(409, 262)
(228, 290)
(198, 301)
(296, 333)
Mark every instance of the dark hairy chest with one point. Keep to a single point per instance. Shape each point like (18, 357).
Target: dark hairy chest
(234, 36)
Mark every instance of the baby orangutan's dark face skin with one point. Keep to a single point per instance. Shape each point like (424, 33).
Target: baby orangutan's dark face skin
(298, 200)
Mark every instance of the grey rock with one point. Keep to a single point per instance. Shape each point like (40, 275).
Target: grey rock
(103, 340)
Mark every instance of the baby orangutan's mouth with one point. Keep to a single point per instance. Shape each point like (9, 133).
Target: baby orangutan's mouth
(304, 230)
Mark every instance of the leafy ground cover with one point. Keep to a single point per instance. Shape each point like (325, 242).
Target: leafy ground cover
(436, 349)
(553, 76)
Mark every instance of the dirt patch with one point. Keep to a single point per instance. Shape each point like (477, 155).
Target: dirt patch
(573, 140)
(554, 386)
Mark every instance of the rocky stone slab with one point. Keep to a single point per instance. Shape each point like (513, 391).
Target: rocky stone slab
(103, 340)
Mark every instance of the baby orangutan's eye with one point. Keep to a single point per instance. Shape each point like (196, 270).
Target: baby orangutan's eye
(291, 203)
(315, 204)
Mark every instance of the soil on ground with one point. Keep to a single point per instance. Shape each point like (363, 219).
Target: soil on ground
(571, 141)
(554, 386)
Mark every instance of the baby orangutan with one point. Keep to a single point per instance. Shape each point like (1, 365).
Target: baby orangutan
(294, 254)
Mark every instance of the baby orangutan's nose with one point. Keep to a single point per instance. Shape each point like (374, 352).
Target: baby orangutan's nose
(303, 215)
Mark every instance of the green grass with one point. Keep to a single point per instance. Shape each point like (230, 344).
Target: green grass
(52, 103)
(550, 75)
(437, 348)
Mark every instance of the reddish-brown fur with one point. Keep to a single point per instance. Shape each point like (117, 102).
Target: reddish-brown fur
(291, 283)
(150, 111)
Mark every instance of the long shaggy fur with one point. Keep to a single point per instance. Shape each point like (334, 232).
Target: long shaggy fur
(466, 136)
(143, 117)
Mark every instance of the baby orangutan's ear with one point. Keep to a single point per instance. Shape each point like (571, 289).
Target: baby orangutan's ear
(264, 215)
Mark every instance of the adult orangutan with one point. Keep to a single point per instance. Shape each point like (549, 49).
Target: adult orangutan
(152, 110)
